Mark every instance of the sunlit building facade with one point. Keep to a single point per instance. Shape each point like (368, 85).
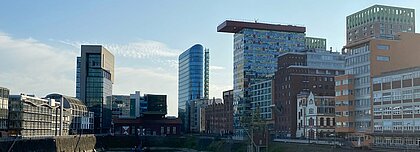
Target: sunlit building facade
(255, 49)
(193, 80)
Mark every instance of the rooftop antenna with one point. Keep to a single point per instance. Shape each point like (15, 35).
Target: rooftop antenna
(256, 20)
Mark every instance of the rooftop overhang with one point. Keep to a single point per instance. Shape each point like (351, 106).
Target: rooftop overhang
(229, 26)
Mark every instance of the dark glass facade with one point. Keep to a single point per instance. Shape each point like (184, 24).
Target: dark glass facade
(94, 84)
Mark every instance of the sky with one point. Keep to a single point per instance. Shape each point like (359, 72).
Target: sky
(40, 40)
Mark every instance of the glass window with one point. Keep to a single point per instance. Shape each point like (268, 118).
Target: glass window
(382, 47)
(382, 58)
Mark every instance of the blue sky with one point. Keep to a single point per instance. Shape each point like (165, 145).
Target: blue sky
(39, 40)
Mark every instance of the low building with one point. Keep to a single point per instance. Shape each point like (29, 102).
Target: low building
(121, 106)
(315, 115)
(147, 126)
(219, 116)
(396, 109)
(30, 116)
(4, 110)
(81, 119)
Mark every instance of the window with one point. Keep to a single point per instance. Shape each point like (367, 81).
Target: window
(382, 58)
(382, 47)
(311, 111)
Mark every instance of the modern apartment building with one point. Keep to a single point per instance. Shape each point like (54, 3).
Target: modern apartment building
(219, 115)
(120, 105)
(156, 105)
(316, 116)
(396, 108)
(379, 21)
(301, 72)
(94, 79)
(255, 49)
(368, 57)
(193, 79)
(4, 109)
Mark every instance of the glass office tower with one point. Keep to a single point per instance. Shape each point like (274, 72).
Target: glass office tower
(95, 76)
(4, 108)
(192, 79)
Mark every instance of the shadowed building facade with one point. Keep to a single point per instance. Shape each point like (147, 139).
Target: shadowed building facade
(94, 79)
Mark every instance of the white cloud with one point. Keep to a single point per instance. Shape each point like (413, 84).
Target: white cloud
(213, 67)
(29, 66)
(159, 81)
(140, 49)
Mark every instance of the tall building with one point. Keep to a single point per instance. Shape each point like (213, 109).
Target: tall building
(261, 96)
(256, 47)
(379, 21)
(391, 46)
(4, 109)
(396, 108)
(94, 79)
(193, 79)
(302, 72)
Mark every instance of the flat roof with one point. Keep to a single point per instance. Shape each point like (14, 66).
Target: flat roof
(230, 26)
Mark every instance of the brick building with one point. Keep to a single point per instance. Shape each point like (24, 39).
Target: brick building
(219, 116)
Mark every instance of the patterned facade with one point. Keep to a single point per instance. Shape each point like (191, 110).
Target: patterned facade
(256, 47)
(396, 108)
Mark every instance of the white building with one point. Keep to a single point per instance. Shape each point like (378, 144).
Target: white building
(315, 116)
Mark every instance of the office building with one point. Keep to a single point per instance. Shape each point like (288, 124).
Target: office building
(379, 21)
(156, 105)
(193, 79)
(121, 106)
(30, 116)
(396, 108)
(316, 116)
(4, 110)
(368, 57)
(256, 47)
(301, 72)
(94, 79)
(219, 116)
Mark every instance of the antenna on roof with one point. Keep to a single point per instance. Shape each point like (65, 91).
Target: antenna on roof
(256, 20)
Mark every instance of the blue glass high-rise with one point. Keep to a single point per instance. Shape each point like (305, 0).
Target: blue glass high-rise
(192, 79)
